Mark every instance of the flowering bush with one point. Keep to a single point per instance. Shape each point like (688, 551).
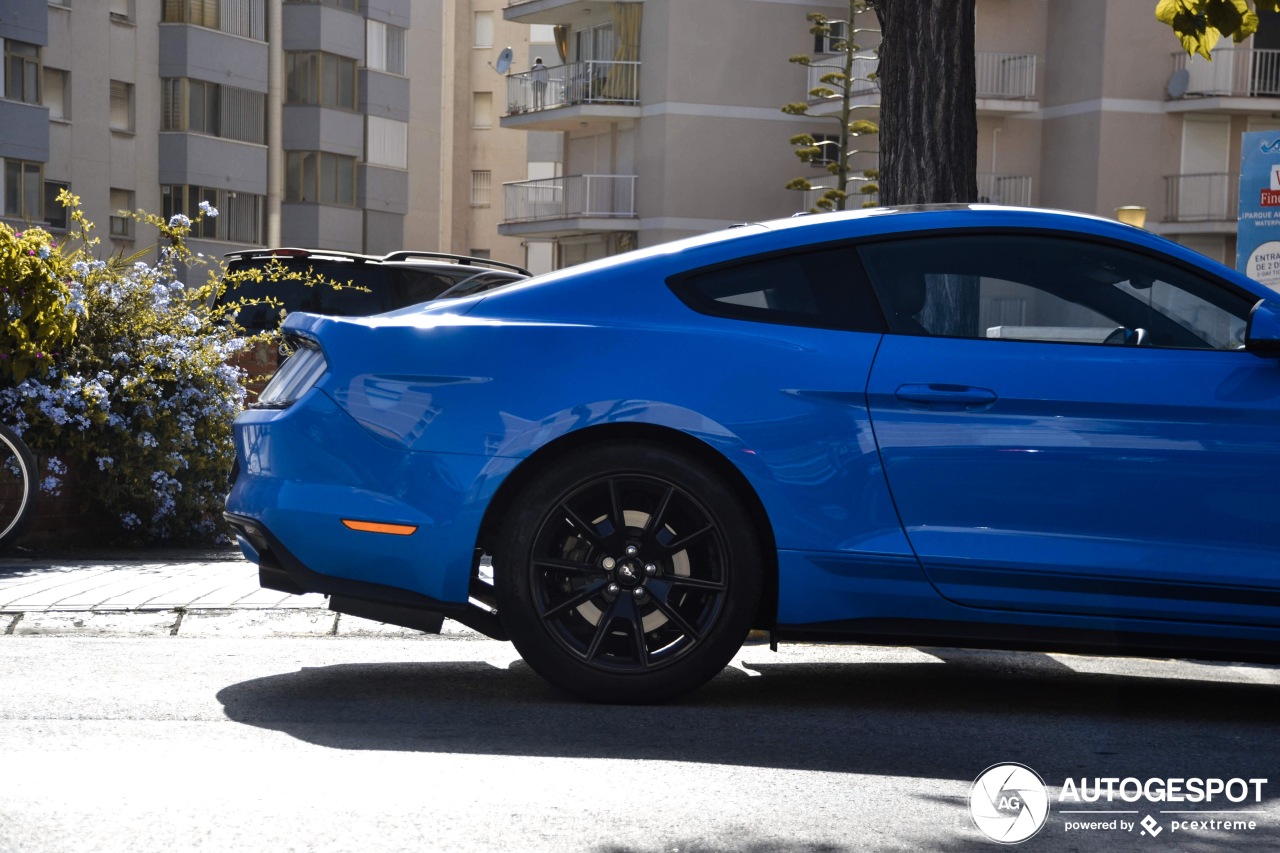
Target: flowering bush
(119, 367)
(39, 303)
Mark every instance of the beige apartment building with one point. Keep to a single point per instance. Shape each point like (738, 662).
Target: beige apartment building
(669, 113)
(655, 119)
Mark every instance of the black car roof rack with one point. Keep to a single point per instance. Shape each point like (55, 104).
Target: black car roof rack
(410, 254)
(290, 252)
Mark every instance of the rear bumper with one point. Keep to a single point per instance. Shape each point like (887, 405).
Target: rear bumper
(280, 570)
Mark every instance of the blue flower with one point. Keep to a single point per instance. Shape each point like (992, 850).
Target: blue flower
(208, 209)
(179, 221)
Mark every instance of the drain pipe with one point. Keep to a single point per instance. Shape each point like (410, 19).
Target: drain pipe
(275, 119)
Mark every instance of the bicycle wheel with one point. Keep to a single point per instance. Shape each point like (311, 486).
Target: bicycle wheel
(17, 486)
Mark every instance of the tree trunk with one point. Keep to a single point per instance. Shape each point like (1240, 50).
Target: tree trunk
(928, 114)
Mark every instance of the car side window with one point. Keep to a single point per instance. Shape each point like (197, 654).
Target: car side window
(1043, 288)
(824, 288)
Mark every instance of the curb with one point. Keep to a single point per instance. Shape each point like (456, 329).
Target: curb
(203, 623)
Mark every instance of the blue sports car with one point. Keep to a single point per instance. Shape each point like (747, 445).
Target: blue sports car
(951, 426)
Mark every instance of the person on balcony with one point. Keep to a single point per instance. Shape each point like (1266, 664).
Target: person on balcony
(540, 75)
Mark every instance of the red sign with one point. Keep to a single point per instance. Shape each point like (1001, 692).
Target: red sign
(1270, 198)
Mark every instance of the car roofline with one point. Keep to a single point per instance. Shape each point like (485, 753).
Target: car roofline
(465, 260)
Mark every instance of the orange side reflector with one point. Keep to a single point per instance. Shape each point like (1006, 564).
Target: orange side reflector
(380, 527)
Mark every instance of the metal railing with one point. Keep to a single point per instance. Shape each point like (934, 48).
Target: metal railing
(238, 17)
(864, 69)
(1234, 72)
(569, 197)
(591, 82)
(1014, 190)
(1011, 76)
(1209, 197)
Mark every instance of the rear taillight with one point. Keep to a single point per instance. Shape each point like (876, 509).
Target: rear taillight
(296, 376)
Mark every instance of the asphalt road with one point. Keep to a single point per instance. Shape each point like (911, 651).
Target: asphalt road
(452, 744)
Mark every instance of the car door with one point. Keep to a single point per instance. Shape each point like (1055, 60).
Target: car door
(1073, 427)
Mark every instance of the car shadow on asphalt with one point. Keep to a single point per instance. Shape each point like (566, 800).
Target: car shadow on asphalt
(928, 719)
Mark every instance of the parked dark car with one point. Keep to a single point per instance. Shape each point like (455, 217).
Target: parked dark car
(379, 284)
(368, 284)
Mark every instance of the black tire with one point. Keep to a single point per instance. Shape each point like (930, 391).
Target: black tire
(17, 486)
(612, 624)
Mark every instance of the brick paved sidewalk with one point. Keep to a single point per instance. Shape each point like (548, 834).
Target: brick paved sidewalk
(187, 594)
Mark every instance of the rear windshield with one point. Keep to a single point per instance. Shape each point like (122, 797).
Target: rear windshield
(374, 289)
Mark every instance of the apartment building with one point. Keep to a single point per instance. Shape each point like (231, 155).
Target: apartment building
(420, 123)
(372, 145)
(669, 114)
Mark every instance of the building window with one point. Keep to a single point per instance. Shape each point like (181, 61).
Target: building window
(387, 143)
(241, 216)
(483, 29)
(54, 213)
(829, 43)
(121, 106)
(318, 176)
(482, 109)
(199, 107)
(22, 189)
(320, 78)
(121, 202)
(347, 5)
(21, 71)
(384, 47)
(480, 185)
(120, 11)
(56, 94)
(238, 17)
(828, 145)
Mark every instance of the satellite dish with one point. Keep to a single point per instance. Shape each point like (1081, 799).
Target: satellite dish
(504, 61)
(1178, 83)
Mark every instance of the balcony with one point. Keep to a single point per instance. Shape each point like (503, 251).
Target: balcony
(573, 93)
(1205, 198)
(554, 11)
(1006, 82)
(1010, 190)
(1233, 73)
(569, 204)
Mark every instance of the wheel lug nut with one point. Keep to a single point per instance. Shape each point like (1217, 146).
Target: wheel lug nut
(650, 569)
(608, 563)
(638, 593)
(632, 550)
(614, 589)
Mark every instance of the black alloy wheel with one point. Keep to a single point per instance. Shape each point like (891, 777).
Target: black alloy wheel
(629, 574)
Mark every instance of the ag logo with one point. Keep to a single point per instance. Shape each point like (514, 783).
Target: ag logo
(1009, 803)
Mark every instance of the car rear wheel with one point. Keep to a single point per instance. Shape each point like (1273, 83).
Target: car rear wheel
(628, 574)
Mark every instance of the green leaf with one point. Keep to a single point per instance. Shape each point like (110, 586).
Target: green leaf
(1231, 17)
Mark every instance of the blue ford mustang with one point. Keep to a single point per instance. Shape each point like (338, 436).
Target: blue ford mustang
(969, 426)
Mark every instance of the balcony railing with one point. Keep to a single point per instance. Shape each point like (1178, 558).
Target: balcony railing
(1210, 197)
(237, 17)
(1011, 76)
(590, 82)
(1013, 190)
(864, 69)
(1008, 76)
(570, 197)
(855, 200)
(1234, 72)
